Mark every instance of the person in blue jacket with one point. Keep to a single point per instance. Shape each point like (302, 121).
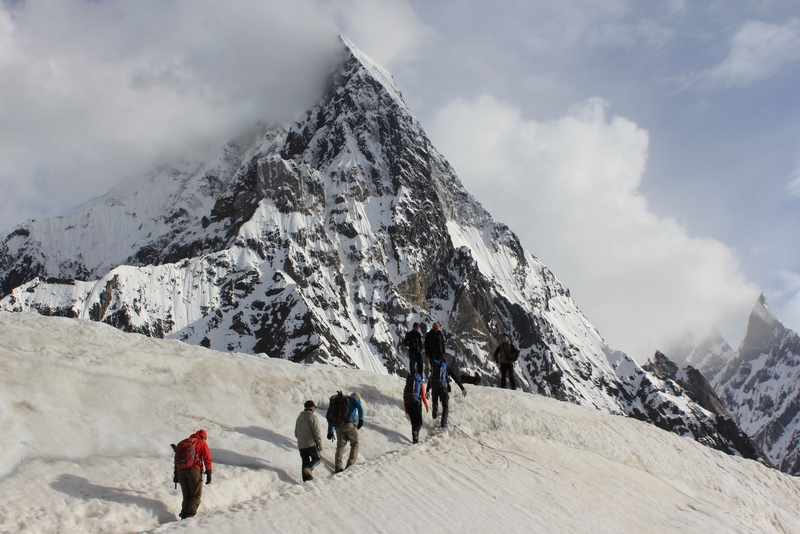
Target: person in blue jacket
(348, 432)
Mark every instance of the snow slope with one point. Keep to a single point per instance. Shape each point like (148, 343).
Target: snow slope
(88, 413)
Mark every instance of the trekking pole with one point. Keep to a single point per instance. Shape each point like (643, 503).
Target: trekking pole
(174, 448)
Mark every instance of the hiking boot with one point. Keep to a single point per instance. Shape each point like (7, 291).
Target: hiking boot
(339, 470)
(414, 438)
(307, 474)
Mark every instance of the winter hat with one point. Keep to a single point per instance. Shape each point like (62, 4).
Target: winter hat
(309, 404)
(355, 395)
(202, 434)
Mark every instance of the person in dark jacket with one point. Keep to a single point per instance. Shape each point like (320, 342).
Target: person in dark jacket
(306, 430)
(413, 341)
(413, 399)
(434, 343)
(505, 355)
(189, 472)
(439, 386)
(347, 432)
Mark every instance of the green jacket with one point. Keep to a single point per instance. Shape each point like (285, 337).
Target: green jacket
(306, 430)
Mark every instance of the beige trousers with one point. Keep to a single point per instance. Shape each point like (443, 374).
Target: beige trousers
(344, 434)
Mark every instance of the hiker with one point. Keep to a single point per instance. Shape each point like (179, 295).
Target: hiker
(413, 399)
(505, 355)
(439, 386)
(475, 380)
(306, 430)
(191, 457)
(346, 419)
(434, 344)
(413, 341)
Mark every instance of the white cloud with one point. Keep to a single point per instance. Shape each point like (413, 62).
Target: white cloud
(96, 91)
(569, 188)
(387, 30)
(794, 185)
(759, 50)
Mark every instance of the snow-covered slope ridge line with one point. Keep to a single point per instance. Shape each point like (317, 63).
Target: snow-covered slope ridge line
(88, 413)
(322, 242)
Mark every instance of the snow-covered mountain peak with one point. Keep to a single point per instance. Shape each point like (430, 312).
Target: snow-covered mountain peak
(322, 243)
(760, 387)
(374, 70)
(761, 312)
(762, 326)
(709, 353)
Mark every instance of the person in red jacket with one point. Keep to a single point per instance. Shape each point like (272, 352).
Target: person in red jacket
(192, 456)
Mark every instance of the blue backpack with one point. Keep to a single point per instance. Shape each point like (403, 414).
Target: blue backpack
(413, 389)
(438, 373)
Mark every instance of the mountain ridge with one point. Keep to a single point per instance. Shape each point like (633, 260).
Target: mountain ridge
(321, 242)
(760, 387)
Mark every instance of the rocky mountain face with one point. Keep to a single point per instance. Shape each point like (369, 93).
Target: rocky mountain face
(696, 387)
(322, 242)
(761, 387)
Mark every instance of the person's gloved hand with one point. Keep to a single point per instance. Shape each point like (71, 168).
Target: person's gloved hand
(360, 423)
(208, 477)
(175, 476)
(330, 436)
(464, 391)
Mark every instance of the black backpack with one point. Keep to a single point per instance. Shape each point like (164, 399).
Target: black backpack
(338, 409)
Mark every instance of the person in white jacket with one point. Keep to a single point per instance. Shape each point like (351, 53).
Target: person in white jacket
(307, 432)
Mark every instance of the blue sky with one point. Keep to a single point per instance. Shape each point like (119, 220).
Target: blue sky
(647, 152)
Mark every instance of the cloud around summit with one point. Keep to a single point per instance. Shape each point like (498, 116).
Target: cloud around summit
(97, 91)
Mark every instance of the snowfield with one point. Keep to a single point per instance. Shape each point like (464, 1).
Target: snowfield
(88, 413)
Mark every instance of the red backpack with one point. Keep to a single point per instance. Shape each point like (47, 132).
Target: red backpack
(186, 453)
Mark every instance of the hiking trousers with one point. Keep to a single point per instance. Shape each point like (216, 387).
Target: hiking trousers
(414, 411)
(507, 369)
(344, 434)
(310, 458)
(437, 394)
(415, 363)
(191, 481)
